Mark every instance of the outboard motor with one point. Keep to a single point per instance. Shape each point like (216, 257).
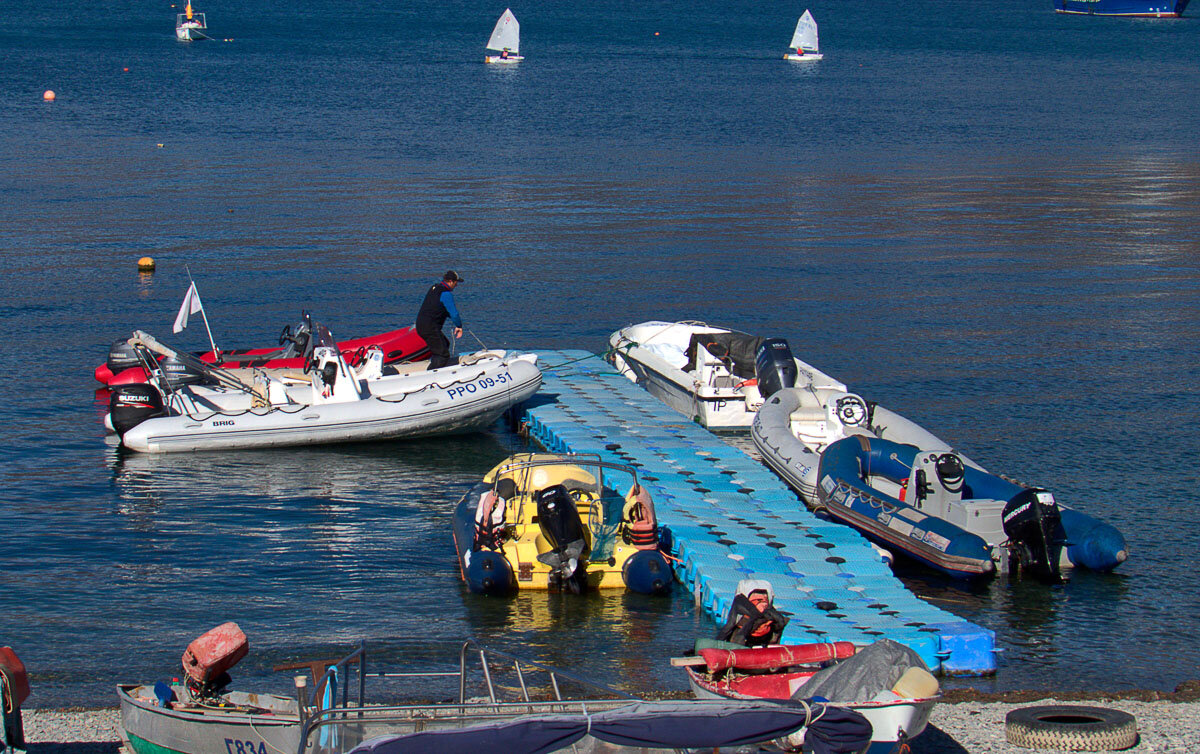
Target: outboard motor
(122, 356)
(178, 373)
(130, 405)
(558, 519)
(1034, 528)
(207, 660)
(774, 366)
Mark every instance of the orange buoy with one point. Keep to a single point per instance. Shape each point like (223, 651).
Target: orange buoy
(48, 95)
(146, 264)
(125, 70)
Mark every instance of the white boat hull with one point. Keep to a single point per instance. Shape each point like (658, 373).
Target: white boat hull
(715, 407)
(503, 61)
(805, 56)
(445, 401)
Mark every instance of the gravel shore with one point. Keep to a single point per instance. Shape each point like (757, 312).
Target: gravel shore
(976, 727)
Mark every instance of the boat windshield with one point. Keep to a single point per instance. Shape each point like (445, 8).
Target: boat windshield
(197, 20)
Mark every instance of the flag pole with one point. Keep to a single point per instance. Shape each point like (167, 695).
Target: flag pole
(216, 353)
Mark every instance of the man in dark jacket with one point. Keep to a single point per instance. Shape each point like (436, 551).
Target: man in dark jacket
(435, 309)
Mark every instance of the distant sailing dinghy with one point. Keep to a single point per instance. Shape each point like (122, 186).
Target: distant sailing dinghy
(804, 41)
(506, 40)
(190, 26)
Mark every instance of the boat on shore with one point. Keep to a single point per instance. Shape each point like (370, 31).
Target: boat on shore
(909, 491)
(560, 523)
(505, 40)
(1130, 8)
(329, 402)
(805, 45)
(713, 375)
(887, 683)
(190, 26)
(497, 702)
(123, 366)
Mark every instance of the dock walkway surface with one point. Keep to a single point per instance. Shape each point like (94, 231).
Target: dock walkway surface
(726, 517)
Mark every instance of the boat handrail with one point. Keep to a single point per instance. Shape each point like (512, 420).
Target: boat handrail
(343, 713)
(873, 500)
(575, 459)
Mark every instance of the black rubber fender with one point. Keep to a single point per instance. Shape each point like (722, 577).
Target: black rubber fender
(1071, 727)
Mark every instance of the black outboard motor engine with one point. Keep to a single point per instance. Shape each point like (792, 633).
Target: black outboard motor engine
(1034, 528)
(178, 373)
(130, 405)
(558, 519)
(122, 356)
(774, 366)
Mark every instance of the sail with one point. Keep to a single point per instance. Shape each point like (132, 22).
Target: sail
(507, 34)
(189, 10)
(806, 34)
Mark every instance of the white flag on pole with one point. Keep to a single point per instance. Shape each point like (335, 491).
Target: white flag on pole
(191, 305)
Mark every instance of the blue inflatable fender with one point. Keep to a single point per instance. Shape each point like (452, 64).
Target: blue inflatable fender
(487, 572)
(647, 572)
(1091, 543)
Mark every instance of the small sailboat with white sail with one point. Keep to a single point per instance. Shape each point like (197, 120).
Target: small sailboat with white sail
(505, 39)
(804, 40)
(189, 25)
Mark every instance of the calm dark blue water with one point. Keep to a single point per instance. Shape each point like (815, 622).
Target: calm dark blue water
(982, 215)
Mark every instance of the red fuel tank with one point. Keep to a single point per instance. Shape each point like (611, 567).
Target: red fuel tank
(215, 652)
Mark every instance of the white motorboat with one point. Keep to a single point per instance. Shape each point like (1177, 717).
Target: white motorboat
(190, 26)
(712, 375)
(805, 45)
(329, 402)
(506, 40)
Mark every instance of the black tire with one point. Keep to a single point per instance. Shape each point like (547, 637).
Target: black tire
(1071, 727)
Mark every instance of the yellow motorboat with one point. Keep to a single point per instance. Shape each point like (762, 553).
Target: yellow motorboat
(559, 522)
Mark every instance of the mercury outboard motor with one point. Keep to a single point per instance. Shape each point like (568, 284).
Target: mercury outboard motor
(122, 356)
(558, 519)
(130, 405)
(1034, 528)
(774, 366)
(179, 373)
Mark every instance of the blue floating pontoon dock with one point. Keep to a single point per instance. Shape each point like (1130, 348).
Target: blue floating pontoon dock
(727, 517)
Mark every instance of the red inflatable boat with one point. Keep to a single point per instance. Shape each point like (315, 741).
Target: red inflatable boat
(123, 368)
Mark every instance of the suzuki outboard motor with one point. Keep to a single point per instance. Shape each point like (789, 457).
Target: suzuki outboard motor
(179, 373)
(1034, 528)
(130, 405)
(558, 519)
(774, 366)
(121, 356)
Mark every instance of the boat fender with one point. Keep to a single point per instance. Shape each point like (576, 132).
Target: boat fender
(130, 405)
(1033, 524)
(647, 572)
(16, 680)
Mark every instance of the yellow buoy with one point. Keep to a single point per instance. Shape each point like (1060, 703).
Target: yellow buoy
(48, 95)
(146, 264)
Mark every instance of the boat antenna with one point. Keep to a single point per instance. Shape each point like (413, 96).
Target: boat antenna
(216, 351)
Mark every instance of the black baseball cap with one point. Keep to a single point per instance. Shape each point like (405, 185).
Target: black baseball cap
(453, 276)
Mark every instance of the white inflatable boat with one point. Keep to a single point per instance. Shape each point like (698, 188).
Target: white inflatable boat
(711, 375)
(329, 402)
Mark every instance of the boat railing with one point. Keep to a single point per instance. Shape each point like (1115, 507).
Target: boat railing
(507, 686)
(844, 493)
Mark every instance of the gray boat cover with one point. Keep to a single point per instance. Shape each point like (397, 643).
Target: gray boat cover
(738, 349)
(671, 725)
(872, 669)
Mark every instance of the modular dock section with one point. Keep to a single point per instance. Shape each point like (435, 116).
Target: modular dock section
(726, 517)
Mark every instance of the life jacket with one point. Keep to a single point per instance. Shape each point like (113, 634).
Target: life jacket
(751, 627)
(489, 521)
(432, 314)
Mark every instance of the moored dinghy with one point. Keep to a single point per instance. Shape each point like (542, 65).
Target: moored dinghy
(330, 403)
(559, 522)
(190, 26)
(805, 45)
(712, 375)
(910, 491)
(505, 39)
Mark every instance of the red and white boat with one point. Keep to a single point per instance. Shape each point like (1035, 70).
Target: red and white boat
(123, 368)
(780, 673)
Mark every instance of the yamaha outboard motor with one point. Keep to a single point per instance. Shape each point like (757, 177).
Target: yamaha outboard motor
(122, 356)
(130, 405)
(774, 366)
(558, 519)
(178, 373)
(1034, 528)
